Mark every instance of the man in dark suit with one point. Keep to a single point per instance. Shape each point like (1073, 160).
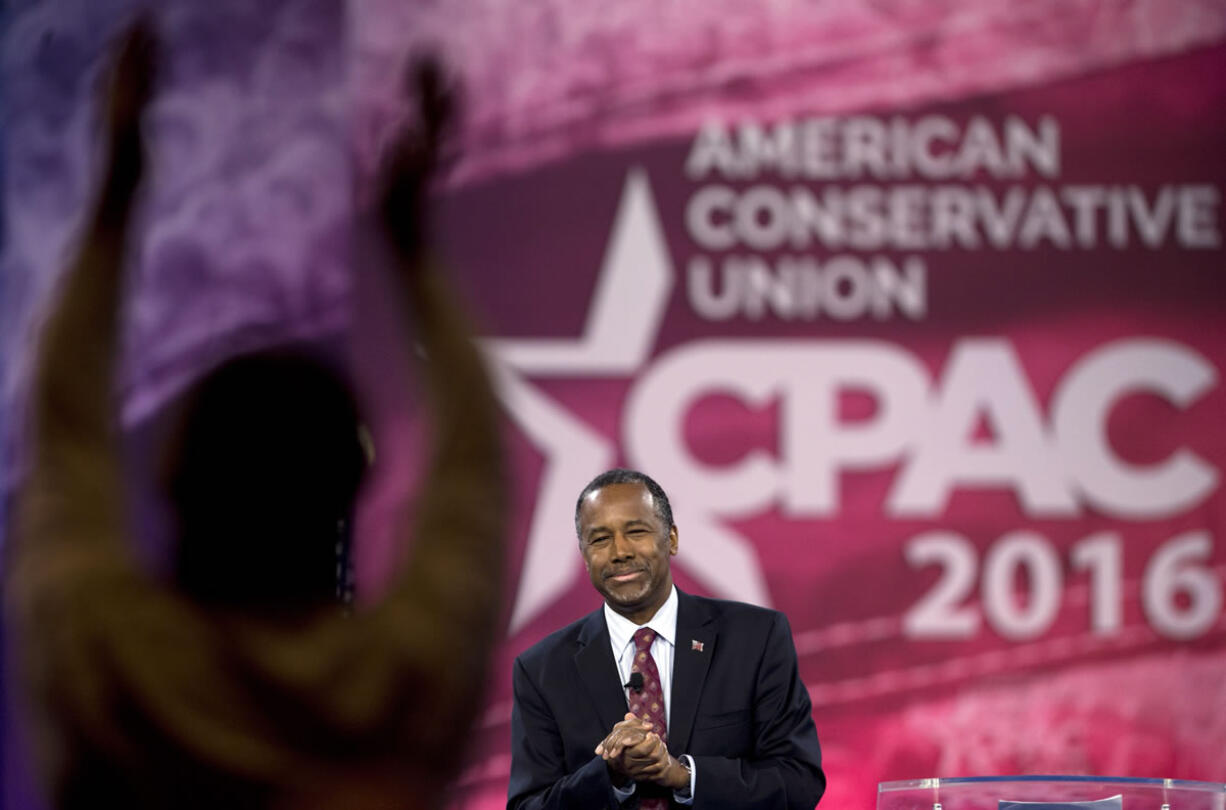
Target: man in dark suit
(719, 717)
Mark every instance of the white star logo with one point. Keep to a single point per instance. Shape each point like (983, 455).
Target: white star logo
(632, 292)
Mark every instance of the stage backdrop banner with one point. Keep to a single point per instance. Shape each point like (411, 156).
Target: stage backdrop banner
(915, 310)
(938, 376)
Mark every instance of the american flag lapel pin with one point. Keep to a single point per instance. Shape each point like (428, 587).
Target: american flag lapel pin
(695, 644)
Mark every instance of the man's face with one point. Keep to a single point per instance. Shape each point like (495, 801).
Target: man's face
(626, 549)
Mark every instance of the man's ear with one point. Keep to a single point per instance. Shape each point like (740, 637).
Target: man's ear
(672, 541)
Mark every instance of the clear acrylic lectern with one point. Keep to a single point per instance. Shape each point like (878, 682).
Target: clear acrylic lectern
(1050, 793)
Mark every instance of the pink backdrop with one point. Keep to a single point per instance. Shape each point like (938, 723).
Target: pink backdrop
(969, 444)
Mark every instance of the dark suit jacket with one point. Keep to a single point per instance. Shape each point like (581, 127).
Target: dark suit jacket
(738, 707)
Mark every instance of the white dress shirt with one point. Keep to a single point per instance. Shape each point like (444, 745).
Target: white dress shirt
(621, 639)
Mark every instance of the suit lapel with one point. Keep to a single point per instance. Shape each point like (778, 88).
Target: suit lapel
(695, 646)
(598, 671)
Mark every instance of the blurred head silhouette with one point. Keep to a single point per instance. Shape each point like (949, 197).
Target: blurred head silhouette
(262, 475)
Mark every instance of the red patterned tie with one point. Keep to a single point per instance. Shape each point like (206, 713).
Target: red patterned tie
(649, 702)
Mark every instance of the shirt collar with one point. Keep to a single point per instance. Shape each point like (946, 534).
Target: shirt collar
(621, 629)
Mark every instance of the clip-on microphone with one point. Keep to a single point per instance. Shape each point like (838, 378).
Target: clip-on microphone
(636, 682)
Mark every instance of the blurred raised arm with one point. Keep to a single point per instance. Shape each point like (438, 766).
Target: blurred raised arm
(448, 598)
(70, 506)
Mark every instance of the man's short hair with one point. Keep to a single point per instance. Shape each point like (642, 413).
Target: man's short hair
(664, 510)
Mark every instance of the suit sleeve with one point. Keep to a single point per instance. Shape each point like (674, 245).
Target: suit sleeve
(784, 770)
(539, 780)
